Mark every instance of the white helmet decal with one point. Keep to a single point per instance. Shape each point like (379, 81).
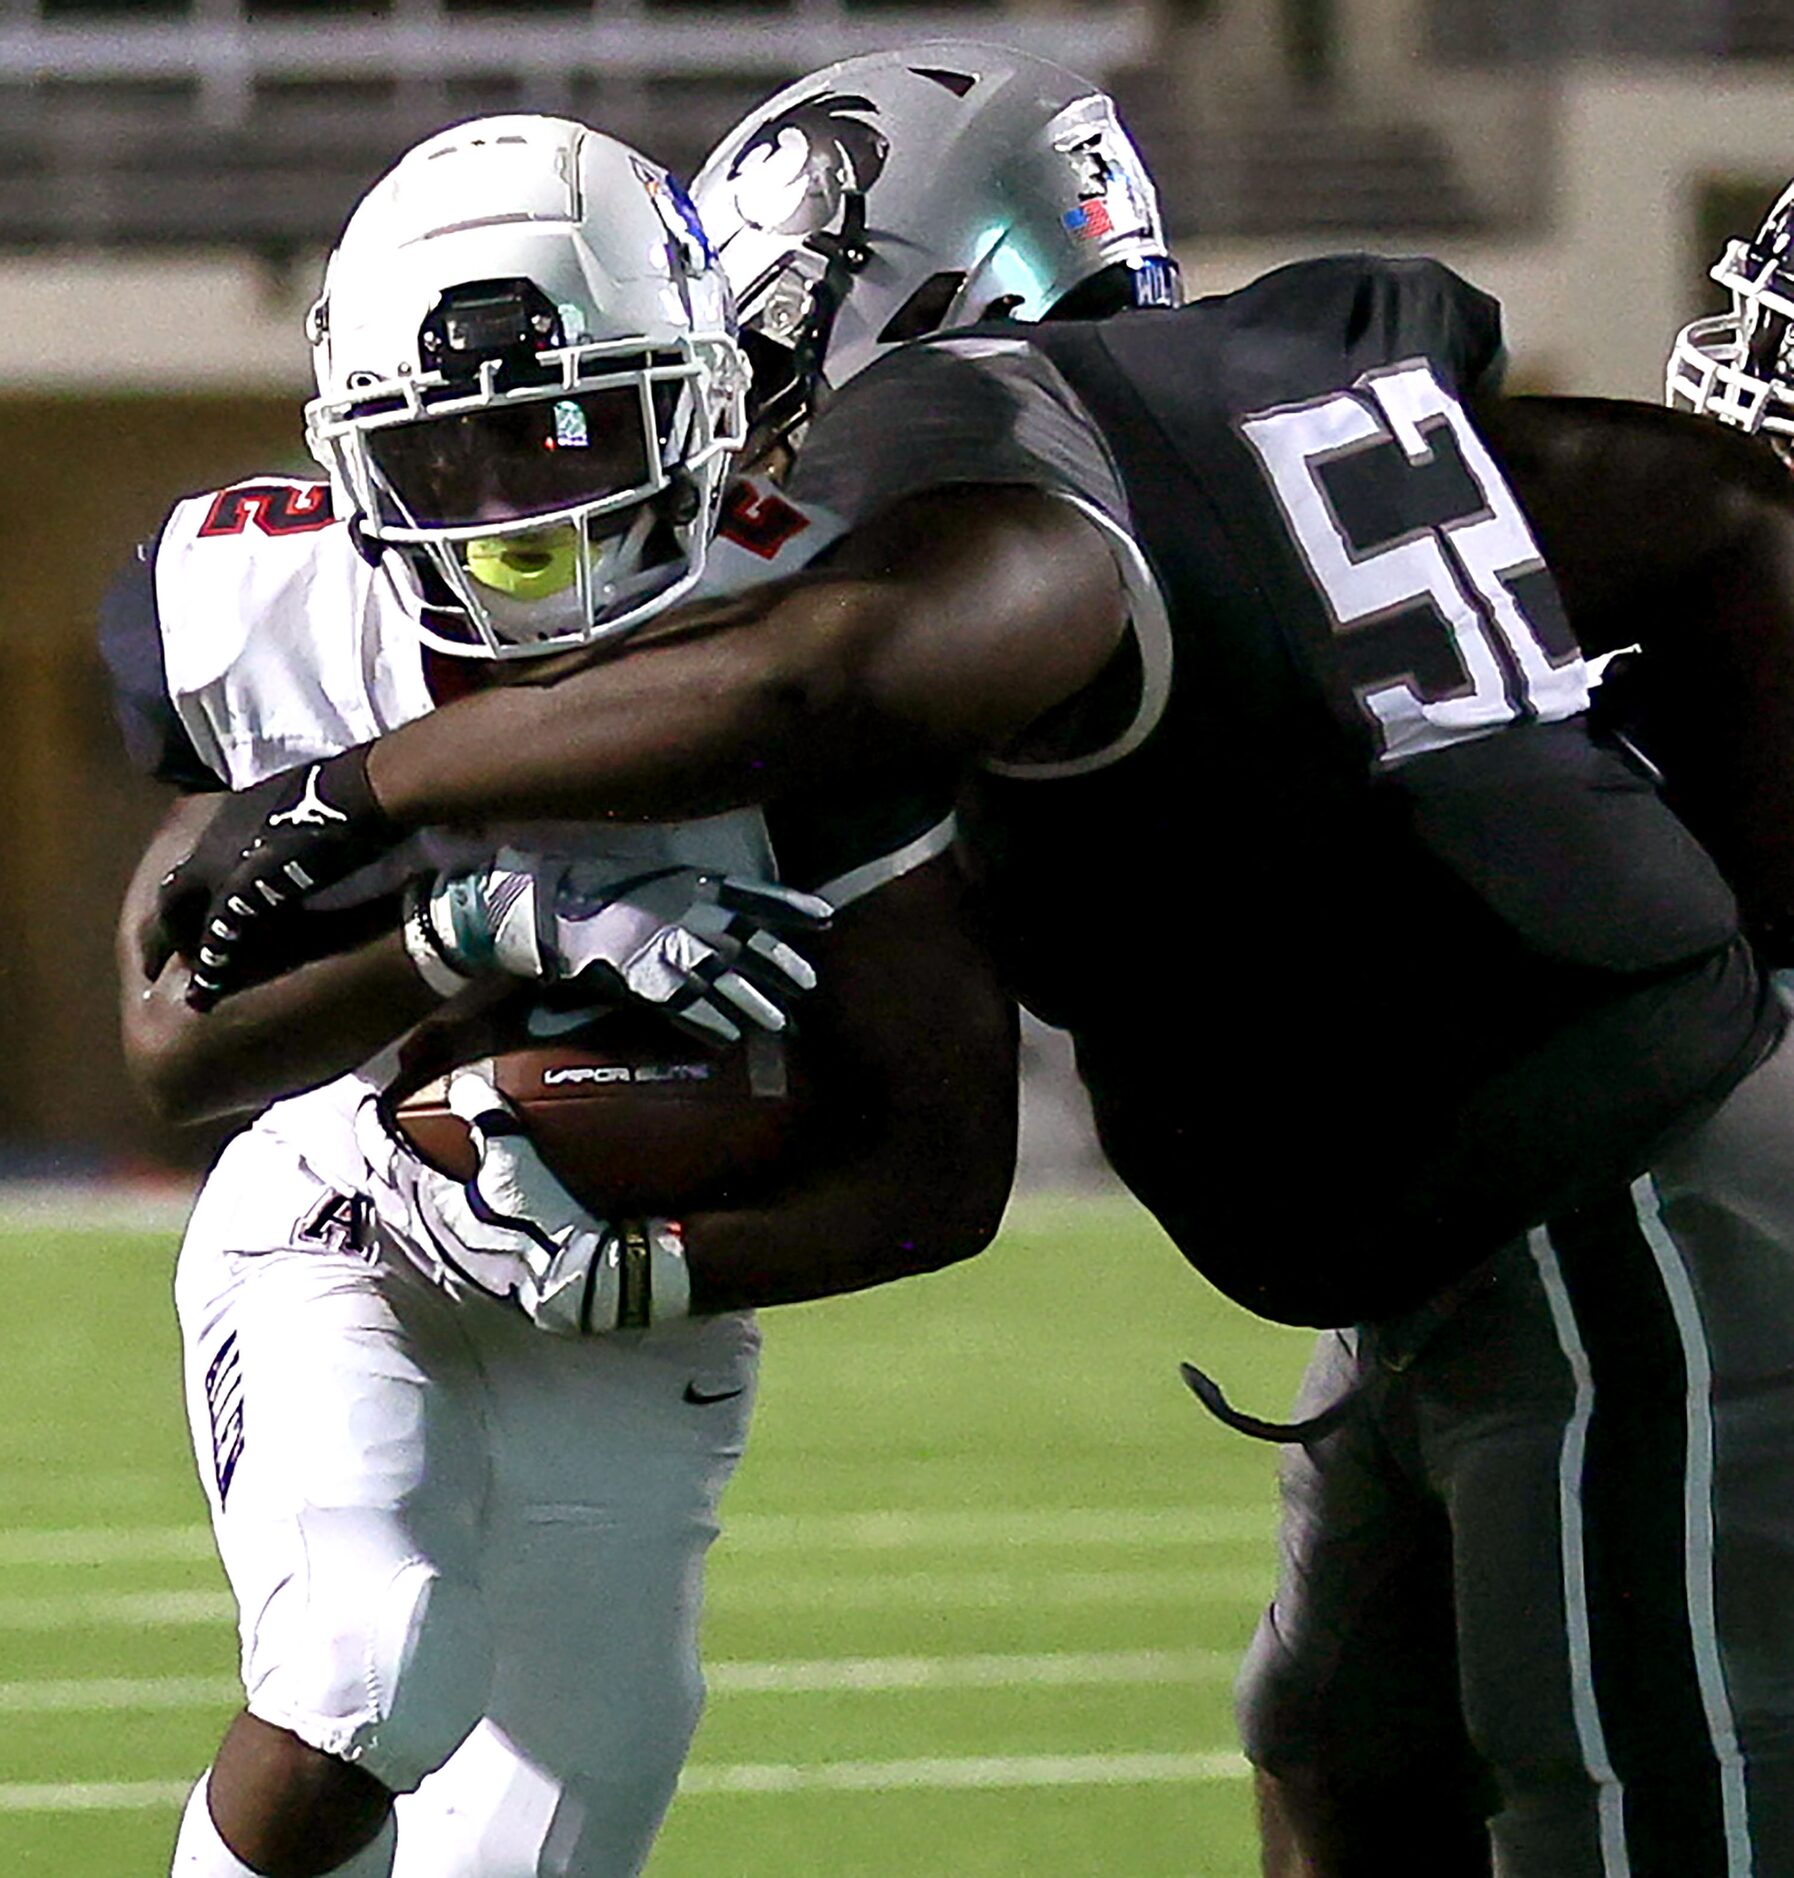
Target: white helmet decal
(793, 174)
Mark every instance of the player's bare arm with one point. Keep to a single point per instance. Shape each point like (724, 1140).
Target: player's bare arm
(942, 628)
(270, 1040)
(947, 625)
(911, 1045)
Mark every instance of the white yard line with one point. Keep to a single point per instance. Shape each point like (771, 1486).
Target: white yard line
(882, 1531)
(1102, 1526)
(984, 1590)
(1061, 1670)
(104, 1545)
(95, 1796)
(961, 1774)
(818, 1676)
(117, 1694)
(980, 1773)
(89, 1611)
(1170, 1585)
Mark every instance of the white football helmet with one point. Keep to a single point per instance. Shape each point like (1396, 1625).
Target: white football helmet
(1739, 366)
(902, 192)
(529, 384)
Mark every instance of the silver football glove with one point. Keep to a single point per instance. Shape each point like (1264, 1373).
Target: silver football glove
(514, 1231)
(703, 949)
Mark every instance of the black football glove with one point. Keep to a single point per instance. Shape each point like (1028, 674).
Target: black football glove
(239, 897)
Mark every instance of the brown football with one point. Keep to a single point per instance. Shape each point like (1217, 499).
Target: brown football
(631, 1115)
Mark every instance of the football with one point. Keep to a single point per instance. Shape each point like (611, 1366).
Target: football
(632, 1116)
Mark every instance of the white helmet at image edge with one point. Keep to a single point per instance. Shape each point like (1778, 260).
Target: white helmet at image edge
(1738, 366)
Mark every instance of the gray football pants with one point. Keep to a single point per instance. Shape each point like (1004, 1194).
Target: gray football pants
(1547, 1563)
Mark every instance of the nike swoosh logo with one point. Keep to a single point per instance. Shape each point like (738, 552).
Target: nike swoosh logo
(699, 1396)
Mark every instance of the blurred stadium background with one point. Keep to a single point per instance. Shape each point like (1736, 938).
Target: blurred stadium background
(171, 173)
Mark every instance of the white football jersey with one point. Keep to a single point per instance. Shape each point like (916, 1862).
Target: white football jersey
(281, 643)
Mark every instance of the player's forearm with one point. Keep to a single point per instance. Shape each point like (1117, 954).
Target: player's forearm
(859, 1227)
(692, 725)
(911, 1049)
(939, 630)
(271, 1040)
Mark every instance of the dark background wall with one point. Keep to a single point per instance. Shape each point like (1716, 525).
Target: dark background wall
(81, 481)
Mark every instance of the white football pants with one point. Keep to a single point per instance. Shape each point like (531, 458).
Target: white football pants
(467, 1555)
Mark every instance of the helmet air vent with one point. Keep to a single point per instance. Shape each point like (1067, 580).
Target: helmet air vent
(959, 83)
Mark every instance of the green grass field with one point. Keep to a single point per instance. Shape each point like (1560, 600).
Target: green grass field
(987, 1571)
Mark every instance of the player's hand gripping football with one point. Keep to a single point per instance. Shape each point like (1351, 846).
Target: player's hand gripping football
(701, 949)
(233, 902)
(517, 1232)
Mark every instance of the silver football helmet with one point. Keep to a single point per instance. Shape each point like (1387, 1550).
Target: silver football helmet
(529, 384)
(898, 193)
(1739, 366)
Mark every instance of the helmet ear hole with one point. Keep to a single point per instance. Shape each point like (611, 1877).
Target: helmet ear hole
(682, 501)
(926, 309)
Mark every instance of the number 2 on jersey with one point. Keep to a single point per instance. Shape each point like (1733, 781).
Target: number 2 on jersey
(1446, 623)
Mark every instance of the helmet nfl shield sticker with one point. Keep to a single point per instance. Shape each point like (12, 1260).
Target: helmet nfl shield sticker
(528, 384)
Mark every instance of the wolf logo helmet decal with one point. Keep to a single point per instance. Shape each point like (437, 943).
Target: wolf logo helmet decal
(798, 170)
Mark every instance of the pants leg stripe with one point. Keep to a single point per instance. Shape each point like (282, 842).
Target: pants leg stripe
(1698, 1521)
(1645, 1506)
(1610, 1795)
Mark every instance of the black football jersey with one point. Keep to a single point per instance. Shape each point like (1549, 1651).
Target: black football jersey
(1373, 953)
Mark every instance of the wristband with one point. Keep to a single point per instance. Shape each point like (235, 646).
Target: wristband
(422, 946)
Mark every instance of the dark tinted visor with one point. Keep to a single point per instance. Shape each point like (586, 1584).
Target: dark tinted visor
(512, 461)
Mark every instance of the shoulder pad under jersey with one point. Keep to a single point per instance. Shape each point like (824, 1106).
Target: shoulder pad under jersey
(280, 641)
(762, 534)
(1399, 308)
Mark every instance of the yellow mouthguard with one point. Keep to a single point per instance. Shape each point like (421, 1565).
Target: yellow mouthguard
(527, 567)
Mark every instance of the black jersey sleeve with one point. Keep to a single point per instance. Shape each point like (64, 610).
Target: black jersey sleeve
(130, 638)
(979, 408)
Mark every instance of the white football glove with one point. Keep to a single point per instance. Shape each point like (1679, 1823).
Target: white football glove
(514, 1231)
(703, 949)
